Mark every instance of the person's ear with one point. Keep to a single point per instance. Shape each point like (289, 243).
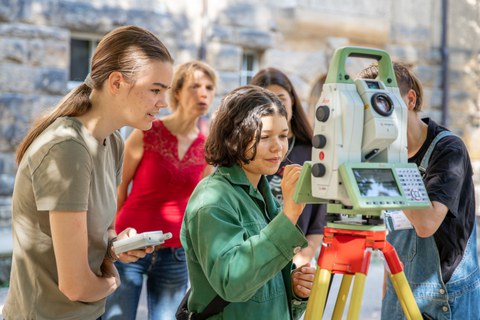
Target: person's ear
(115, 81)
(411, 99)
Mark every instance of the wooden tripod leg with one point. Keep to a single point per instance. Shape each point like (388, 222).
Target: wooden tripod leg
(318, 295)
(342, 297)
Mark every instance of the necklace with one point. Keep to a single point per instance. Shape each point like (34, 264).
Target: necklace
(285, 160)
(290, 147)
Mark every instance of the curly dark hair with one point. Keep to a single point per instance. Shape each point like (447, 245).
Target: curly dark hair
(238, 122)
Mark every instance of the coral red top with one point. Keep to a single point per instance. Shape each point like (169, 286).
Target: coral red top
(162, 184)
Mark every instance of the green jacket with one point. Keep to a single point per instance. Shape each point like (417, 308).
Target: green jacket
(240, 246)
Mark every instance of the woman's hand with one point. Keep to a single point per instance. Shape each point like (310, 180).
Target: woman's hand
(132, 255)
(109, 271)
(302, 280)
(291, 174)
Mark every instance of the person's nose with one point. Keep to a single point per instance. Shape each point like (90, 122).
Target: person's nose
(162, 101)
(277, 145)
(202, 91)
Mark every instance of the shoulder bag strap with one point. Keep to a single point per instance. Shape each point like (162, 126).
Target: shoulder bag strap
(426, 157)
(215, 306)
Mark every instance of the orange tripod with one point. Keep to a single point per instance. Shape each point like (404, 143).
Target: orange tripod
(347, 252)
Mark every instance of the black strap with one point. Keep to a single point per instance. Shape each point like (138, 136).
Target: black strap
(215, 306)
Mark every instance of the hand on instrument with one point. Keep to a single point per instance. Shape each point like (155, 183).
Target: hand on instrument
(302, 280)
(291, 174)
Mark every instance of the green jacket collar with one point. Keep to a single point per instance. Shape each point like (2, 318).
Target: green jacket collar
(236, 175)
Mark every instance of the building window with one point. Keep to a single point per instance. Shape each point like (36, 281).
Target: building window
(250, 63)
(81, 52)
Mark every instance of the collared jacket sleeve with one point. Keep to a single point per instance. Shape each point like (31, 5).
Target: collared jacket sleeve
(239, 246)
(237, 264)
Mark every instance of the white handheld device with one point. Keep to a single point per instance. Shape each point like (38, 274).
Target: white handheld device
(141, 241)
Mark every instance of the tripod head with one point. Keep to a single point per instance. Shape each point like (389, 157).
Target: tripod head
(359, 155)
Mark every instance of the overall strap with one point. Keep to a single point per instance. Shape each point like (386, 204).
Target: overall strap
(426, 157)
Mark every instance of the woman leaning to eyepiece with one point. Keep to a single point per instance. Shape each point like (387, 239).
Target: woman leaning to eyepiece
(70, 163)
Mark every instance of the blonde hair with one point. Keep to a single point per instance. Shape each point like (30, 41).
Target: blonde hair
(183, 73)
(125, 49)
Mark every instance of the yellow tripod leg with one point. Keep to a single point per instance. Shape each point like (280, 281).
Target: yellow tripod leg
(357, 295)
(342, 297)
(318, 295)
(400, 299)
(405, 296)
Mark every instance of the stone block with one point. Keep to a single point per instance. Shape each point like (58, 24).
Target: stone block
(17, 78)
(432, 98)
(405, 53)
(301, 86)
(250, 14)
(5, 267)
(227, 81)
(412, 22)
(224, 57)
(14, 50)
(14, 119)
(7, 163)
(221, 33)
(307, 65)
(103, 16)
(9, 10)
(17, 111)
(160, 23)
(6, 184)
(429, 75)
(51, 81)
(50, 53)
(39, 32)
(253, 38)
(84, 17)
(243, 36)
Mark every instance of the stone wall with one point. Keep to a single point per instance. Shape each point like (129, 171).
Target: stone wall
(33, 75)
(297, 36)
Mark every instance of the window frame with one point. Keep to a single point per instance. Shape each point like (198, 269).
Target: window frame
(246, 74)
(92, 40)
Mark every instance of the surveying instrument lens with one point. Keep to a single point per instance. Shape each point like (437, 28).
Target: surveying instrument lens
(382, 104)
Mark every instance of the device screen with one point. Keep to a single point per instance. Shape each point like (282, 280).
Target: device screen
(372, 84)
(376, 182)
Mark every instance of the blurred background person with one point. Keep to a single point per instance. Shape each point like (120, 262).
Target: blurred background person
(164, 165)
(313, 218)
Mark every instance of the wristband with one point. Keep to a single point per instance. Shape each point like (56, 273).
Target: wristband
(109, 255)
